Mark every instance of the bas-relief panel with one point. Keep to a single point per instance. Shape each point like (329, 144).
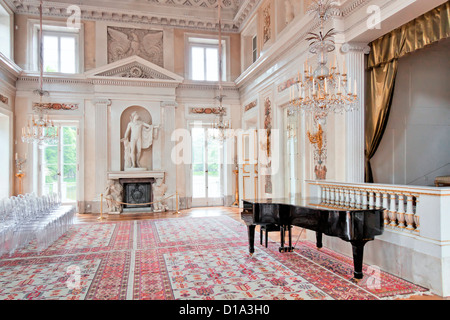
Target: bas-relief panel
(267, 32)
(268, 127)
(127, 42)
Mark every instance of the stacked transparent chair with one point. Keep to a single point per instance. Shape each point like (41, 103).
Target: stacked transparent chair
(28, 217)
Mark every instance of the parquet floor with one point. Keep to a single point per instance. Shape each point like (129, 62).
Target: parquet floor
(232, 212)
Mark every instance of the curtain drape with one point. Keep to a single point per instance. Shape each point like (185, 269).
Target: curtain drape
(383, 65)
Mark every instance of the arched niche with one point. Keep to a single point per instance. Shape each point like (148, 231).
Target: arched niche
(125, 117)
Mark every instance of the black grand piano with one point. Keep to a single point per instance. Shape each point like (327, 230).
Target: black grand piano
(356, 226)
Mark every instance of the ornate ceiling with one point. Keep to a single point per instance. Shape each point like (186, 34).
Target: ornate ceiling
(196, 14)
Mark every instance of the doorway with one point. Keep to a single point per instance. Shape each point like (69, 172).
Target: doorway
(58, 164)
(206, 169)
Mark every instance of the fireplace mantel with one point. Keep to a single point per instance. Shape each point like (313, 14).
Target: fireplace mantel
(135, 174)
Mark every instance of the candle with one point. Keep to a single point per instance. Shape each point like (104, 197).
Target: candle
(16, 155)
(314, 86)
(344, 67)
(355, 88)
(349, 85)
(326, 85)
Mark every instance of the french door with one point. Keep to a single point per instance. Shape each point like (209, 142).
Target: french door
(58, 164)
(206, 168)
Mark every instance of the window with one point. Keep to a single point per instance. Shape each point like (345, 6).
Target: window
(62, 48)
(204, 59)
(5, 30)
(59, 51)
(254, 49)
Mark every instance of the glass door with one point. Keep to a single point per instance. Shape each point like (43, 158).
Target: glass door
(59, 165)
(206, 168)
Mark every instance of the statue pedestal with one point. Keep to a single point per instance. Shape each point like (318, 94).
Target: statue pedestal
(135, 174)
(135, 169)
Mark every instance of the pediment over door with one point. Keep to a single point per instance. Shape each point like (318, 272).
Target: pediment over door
(134, 71)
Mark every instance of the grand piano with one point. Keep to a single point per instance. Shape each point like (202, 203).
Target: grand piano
(357, 226)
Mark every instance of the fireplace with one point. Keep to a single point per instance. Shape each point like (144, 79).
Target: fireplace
(136, 191)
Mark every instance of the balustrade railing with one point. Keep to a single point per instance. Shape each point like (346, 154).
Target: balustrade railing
(400, 204)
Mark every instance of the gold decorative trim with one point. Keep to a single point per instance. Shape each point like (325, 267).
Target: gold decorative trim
(204, 111)
(251, 105)
(56, 106)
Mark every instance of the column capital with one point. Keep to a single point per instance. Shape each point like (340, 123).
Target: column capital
(101, 101)
(169, 104)
(356, 47)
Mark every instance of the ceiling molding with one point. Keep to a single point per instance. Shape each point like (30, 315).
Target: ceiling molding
(187, 14)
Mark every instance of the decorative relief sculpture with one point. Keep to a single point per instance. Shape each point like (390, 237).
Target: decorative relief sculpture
(267, 146)
(204, 110)
(266, 24)
(138, 136)
(113, 193)
(57, 106)
(3, 99)
(159, 192)
(126, 42)
(250, 106)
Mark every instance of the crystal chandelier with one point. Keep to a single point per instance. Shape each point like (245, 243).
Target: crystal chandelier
(221, 125)
(41, 130)
(325, 89)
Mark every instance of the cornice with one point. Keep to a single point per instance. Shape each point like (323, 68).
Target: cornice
(172, 18)
(116, 81)
(8, 66)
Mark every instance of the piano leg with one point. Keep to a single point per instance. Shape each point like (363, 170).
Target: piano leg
(283, 236)
(358, 252)
(319, 240)
(251, 238)
(282, 248)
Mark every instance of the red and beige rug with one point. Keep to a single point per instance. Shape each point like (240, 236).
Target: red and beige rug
(184, 258)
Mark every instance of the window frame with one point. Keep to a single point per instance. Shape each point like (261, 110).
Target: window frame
(195, 40)
(7, 23)
(59, 29)
(254, 48)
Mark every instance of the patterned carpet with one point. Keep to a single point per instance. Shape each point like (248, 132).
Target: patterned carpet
(184, 258)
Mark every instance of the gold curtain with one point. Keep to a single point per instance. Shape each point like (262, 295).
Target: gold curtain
(382, 67)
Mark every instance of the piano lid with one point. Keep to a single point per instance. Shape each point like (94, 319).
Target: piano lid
(314, 203)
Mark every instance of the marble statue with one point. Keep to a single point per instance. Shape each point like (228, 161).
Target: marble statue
(138, 136)
(113, 193)
(159, 192)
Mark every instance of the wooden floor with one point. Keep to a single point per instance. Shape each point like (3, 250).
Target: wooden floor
(232, 212)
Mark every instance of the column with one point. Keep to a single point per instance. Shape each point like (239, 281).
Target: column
(168, 109)
(354, 136)
(101, 144)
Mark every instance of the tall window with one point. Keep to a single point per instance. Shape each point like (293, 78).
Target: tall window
(204, 59)
(254, 49)
(5, 32)
(62, 48)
